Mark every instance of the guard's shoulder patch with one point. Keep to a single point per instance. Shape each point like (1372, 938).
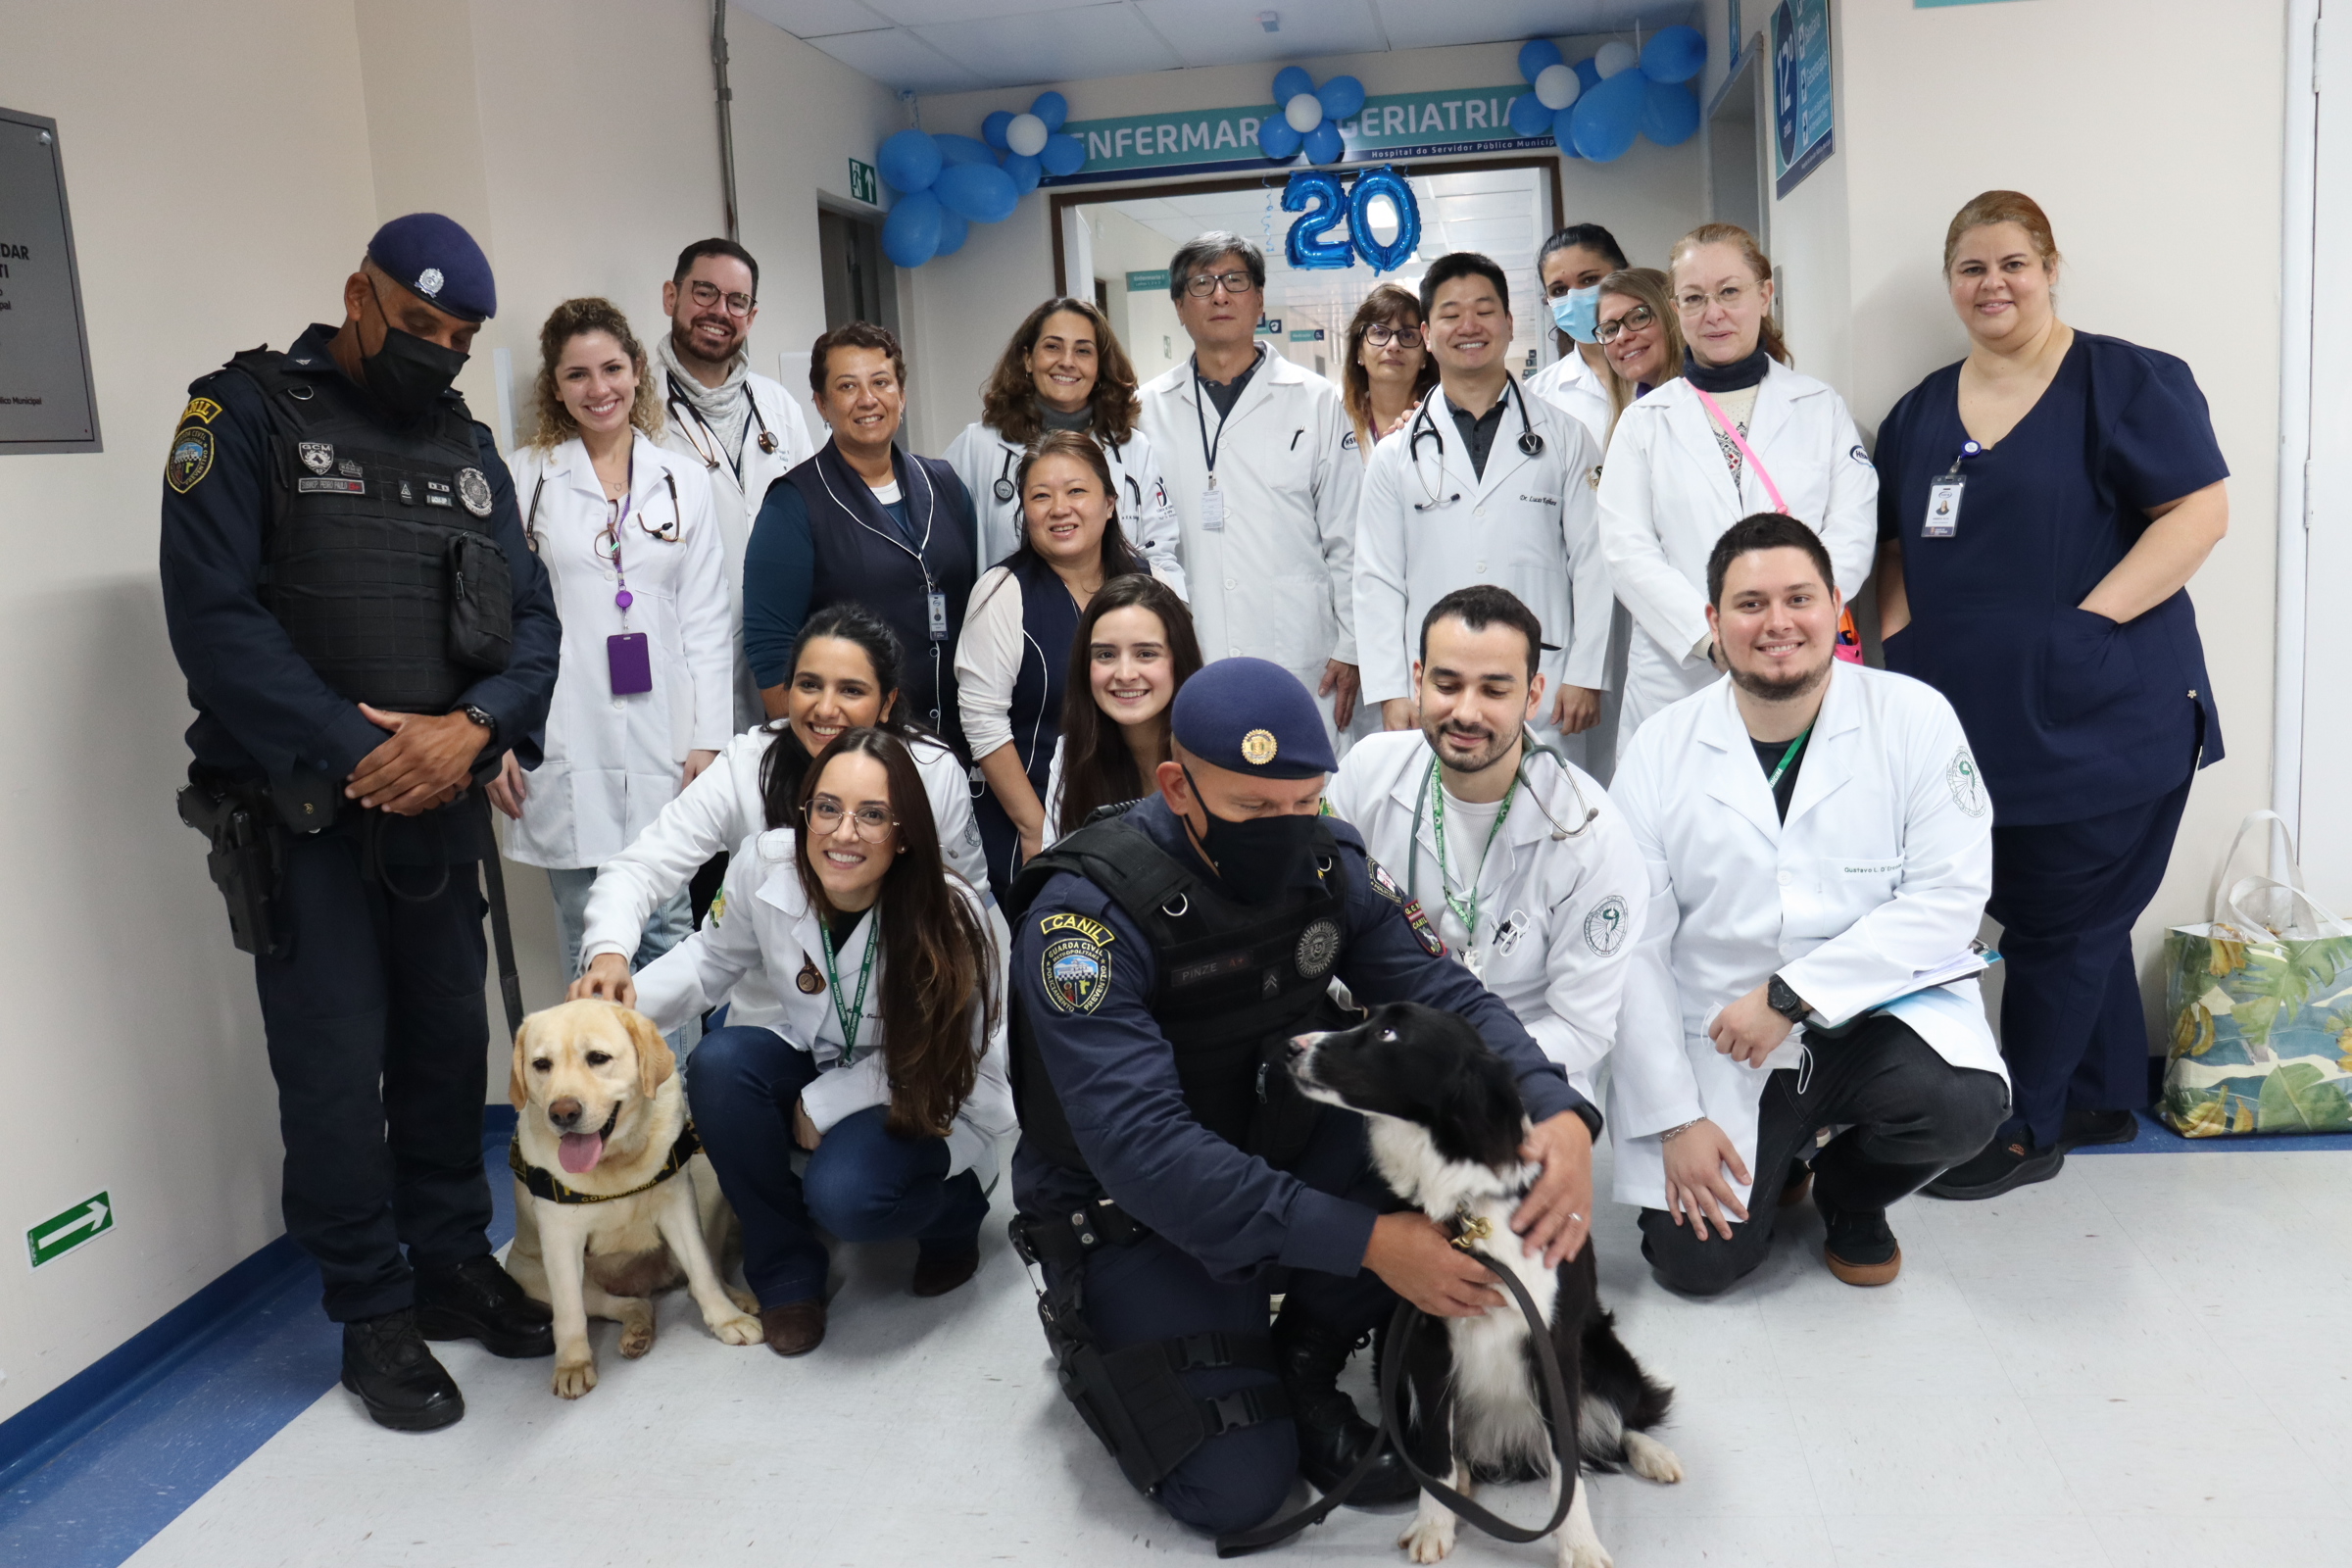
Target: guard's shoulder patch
(191, 458)
(199, 411)
(1074, 970)
(1423, 932)
(1062, 920)
(1384, 884)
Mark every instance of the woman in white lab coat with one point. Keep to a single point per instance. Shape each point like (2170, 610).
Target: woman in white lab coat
(1063, 370)
(886, 1063)
(645, 697)
(845, 675)
(1739, 434)
(1572, 265)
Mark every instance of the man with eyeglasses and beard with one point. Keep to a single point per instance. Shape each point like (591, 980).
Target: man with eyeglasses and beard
(1819, 846)
(742, 428)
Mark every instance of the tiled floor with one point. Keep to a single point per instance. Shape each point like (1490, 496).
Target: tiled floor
(2141, 1362)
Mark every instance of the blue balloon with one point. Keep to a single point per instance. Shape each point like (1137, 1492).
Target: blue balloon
(1051, 108)
(1276, 139)
(1063, 155)
(1369, 185)
(1289, 82)
(1588, 74)
(1324, 144)
(1529, 116)
(965, 150)
(1317, 195)
(980, 192)
(1674, 53)
(992, 129)
(1607, 117)
(1669, 113)
(1563, 131)
(1341, 97)
(1024, 171)
(952, 233)
(1534, 55)
(911, 233)
(908, 162)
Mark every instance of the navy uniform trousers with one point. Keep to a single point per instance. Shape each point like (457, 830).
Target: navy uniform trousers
(379, 1038)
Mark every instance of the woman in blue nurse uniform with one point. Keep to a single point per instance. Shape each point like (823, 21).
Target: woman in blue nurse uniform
(2044, 505)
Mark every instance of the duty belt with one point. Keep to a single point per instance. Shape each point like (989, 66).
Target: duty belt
(1065, 1242)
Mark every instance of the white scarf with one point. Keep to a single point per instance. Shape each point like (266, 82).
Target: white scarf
(726, 408)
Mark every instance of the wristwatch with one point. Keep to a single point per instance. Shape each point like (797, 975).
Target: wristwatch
(1787, 1002)
(483, 717)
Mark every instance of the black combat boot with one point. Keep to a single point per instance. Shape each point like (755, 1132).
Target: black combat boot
(1332, 1436)
(387, 1365)
(477, 1299)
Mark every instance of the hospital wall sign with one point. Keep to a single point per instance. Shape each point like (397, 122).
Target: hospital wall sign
(1390, 126)
(47, 403)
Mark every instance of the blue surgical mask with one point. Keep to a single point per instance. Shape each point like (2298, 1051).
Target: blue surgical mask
(1577, 313)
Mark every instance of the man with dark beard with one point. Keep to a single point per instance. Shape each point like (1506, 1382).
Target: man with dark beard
(1820, 846)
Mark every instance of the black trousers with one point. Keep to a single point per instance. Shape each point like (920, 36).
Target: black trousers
(380, 1039)
(1912, 1115)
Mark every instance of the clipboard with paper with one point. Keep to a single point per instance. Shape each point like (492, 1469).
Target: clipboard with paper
(1925, 992)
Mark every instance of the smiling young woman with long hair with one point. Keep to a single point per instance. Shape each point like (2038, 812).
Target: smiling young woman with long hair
(1134, 650)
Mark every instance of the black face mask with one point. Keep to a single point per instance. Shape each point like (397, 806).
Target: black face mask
(408, 374)
(1258, 858)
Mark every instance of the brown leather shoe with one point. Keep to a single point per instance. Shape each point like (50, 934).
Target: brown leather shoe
(937, 1276)
(796, 1328)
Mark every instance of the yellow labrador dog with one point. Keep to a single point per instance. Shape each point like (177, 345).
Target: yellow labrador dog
(610, 1207)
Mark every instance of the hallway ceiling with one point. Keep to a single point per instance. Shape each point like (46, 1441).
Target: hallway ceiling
(940, 46)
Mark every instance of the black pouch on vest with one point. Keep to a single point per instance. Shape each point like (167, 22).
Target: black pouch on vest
(481, 604)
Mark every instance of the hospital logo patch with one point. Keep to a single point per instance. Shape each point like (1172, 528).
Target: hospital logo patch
(1077, 972)
(1967, 790)
(1318, 948)
(1606, 926)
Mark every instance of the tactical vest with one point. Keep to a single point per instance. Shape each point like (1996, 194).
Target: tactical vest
(1235, 981)
(379, 559)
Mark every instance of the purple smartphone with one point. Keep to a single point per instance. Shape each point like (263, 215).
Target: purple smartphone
(631, 661)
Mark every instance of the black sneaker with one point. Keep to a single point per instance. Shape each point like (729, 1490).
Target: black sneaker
(480, 1301)
(2097, 1127)
(2000, 1166)
(387, 1365)
(1860, 1248)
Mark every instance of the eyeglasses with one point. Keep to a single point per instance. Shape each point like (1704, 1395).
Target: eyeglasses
(873, 822)
(1380, 336)
(1729, 297)
(1632, 320)
(1201, 285)
(707, 294)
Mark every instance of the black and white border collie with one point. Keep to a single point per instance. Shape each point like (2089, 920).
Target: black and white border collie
(1446, 1122)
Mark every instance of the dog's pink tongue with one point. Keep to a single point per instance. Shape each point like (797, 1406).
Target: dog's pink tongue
(580, 1152)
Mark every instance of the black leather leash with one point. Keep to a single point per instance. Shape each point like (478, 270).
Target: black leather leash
(501, 934)
(1402, 1328)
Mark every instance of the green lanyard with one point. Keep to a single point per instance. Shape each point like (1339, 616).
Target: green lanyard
(1788, 756)
(1467, 913)
(856, 1016)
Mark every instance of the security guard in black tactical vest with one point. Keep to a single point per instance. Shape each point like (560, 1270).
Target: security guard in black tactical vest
(364, 635)
(1169, 1176)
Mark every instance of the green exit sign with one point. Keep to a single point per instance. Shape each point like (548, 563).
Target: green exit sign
(55, 1237)
(862, 185)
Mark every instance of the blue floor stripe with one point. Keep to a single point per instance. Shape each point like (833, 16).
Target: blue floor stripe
(2155, 1138)
(170, 1437)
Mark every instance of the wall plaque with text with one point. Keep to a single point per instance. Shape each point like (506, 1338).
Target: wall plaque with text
(47, 402)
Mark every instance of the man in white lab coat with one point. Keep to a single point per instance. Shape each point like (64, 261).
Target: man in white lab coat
(1485, 484)
(1263, 468)
(743, 430)
(1540, 888)
(1820, 848)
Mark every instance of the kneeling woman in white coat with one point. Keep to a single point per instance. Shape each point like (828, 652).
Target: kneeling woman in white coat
(646, 695)
(887, 1065)
(845, 675)
(1740, 432)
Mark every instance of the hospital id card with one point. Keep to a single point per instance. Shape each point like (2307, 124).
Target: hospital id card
(1944, 508)
(938, 603)
(1212, 508)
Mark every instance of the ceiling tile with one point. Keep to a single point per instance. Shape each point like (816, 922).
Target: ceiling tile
(814, 19)
(1107, 40)
(1225, 33)
(942, 13)
(1419, 24)
(897, 57)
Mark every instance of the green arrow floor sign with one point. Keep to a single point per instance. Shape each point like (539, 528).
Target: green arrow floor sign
(53, 1239)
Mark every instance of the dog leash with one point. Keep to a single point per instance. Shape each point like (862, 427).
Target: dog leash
(1402, 1328)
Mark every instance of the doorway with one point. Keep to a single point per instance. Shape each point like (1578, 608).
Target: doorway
(861, 285)
(1735, 150)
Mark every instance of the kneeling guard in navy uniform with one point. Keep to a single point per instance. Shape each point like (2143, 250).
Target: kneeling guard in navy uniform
(1170, 1178)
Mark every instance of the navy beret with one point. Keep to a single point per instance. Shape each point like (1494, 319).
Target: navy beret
(1248, 716)
(437, 261)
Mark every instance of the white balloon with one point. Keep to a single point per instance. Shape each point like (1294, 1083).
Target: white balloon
(1026, 135)
(1557, 86)
(1615, 56)
(1305, 113)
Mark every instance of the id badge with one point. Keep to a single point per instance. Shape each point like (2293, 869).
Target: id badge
(939, 615)
(630, 659)
(1944, 508)
(1212, 508)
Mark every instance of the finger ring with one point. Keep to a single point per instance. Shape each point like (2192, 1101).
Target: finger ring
(1576, 1219)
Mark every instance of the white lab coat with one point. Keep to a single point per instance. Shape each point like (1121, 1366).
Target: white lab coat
(980, 457)
(1577, 390)
(1666, 495)
(1278, 580)
(735, 498)
(1557, 919)
(766, 924)
(1430, 526)
(721, 808)
(612, 762)
(1880, 874)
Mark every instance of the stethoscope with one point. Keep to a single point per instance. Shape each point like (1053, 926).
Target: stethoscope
(1560, 833)
(918, 552)
(668, 535)
(1005, 489)
(706, 446)
(1425, 424)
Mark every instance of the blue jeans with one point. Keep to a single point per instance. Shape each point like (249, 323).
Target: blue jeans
(669, 926)
(864, 1183)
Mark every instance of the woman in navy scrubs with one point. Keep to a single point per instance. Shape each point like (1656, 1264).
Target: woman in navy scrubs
(2044, 505)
